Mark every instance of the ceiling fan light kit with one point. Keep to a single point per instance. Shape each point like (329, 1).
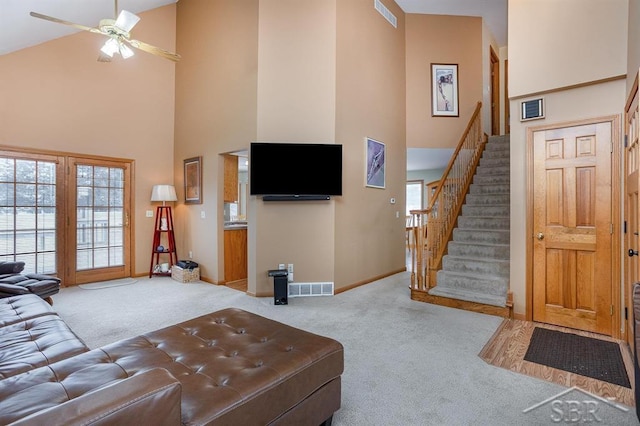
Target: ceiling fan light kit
(119, 37)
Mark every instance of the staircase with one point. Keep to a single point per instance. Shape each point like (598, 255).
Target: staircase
(476, 266)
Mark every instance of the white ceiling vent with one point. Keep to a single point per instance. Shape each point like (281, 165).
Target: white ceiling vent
(310, 289)
(386, 13)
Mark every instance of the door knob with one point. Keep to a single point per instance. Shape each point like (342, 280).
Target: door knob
(632, 252)
(540, 236)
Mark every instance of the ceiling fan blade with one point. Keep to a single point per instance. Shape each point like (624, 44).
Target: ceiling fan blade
(60, 21)
(126, 20)
(153, 50)
(104, 57)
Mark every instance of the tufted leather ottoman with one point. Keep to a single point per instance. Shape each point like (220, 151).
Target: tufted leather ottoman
(233, 368)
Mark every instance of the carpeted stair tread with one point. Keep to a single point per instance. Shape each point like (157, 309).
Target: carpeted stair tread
(470, 296)
(486, 251)
(481, 235)
(487, 223)
(476, 268)
(477, 265)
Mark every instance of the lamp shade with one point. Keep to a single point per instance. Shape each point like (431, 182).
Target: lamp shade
(163, 193)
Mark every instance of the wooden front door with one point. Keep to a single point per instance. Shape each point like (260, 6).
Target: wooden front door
(572, 227)
(632, 227)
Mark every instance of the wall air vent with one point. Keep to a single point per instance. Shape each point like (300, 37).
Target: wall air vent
(310, 289)
(532, 109)
(386, 13)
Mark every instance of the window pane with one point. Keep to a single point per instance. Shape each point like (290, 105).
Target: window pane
(7, 245)
(47, 218)
(26, 218)
(46, 195)
(84, 175)
(6, 194)
(414, 196)
(25, 194)
(25, 171)
(7, 168)
(83, 259)
(46, 173)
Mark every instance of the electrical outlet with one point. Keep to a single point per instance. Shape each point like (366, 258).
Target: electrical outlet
(202, 214)
(281, 266)
(149, 213)
(290, 270)
(190, 254)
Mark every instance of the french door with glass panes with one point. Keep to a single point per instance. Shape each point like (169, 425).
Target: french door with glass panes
(99, 236)
(32, 211)
(66, 216)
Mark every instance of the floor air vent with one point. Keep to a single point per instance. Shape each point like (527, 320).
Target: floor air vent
(386, 13)
(310, 289)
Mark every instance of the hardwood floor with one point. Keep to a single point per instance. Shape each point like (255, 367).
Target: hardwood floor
(508, 345)
(240, 285)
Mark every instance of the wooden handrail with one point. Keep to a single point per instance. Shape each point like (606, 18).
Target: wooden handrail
(433, 226)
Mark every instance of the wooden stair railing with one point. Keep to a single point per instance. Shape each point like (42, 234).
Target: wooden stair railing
(433, 226)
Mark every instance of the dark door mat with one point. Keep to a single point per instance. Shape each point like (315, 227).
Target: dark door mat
(582, 355)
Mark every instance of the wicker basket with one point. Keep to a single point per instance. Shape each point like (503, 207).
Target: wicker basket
(185, 275)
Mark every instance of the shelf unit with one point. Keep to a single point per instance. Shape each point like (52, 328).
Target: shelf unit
(166, 239)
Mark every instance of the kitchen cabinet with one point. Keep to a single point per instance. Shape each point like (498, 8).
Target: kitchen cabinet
(235, 254)
(230, 178)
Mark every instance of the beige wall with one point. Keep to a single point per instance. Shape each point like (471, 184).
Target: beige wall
(296, 103)
(555, 44)
(633, 48)
(216, 83)
(449, 40)
(56, 96)
(555, 59)
(269, 70)
(370, 103)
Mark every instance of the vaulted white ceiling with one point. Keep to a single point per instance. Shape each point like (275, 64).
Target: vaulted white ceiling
(19, 30)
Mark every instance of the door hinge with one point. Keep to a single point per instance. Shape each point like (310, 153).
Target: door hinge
(624, 227)
(612, 147)
(626, 141)
(626, 313)
(611, 310)
(611, 229)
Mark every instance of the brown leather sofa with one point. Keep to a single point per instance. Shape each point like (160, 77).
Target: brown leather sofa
(229, 367)
(14, 283)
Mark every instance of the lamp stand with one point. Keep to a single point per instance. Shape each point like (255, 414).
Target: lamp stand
(163, 234)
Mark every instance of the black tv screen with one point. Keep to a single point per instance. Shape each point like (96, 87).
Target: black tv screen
(295, 169)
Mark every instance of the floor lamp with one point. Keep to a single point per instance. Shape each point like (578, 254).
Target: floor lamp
(164, 224)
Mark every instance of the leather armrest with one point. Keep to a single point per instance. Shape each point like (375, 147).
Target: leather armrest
(42, 277)
(152, 397)
(7, 290)
(11, 267)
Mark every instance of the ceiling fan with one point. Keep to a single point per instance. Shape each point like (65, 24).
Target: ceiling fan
(119, 37)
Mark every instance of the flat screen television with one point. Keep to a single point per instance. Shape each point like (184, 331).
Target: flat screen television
(295, 171)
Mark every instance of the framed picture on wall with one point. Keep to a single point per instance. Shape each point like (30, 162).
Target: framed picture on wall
(193, 180)
(444, 90)
(375, 158)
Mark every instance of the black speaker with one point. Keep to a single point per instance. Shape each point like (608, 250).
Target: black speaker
(280, 282)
